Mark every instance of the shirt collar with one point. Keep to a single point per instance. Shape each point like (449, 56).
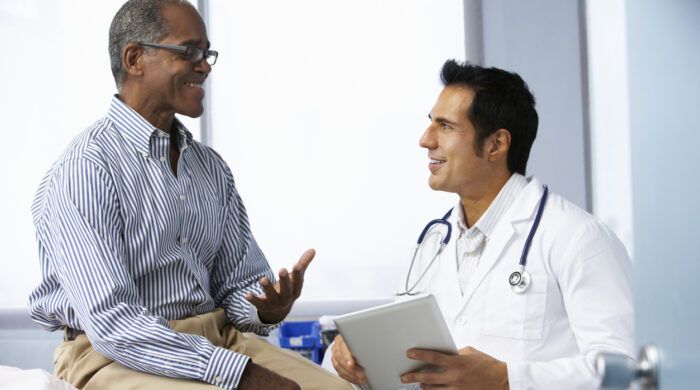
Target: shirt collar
(184, 135)
(137, 130)
(506, 196)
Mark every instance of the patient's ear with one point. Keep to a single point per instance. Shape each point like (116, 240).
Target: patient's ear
(132, 57)
(497, 145)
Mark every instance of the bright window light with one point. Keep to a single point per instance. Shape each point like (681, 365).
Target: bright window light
(318, 106)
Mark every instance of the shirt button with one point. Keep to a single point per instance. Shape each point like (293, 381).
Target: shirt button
(462, 320)
(184, 240)
(161, 134)
(182, 197)
(218, 379)
(162, 159)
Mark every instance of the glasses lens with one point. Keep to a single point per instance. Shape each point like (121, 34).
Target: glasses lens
(212, 56)
(194, 54)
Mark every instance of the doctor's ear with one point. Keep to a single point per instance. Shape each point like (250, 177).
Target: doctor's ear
(498, 145)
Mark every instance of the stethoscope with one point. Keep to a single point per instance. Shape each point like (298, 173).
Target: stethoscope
(519, 280)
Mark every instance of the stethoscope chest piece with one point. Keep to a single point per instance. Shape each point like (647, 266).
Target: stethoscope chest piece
(519, 281)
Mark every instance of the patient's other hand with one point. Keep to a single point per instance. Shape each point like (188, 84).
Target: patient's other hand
(344, 363)
(257, 377)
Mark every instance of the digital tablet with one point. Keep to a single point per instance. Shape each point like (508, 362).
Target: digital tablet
(380, 336)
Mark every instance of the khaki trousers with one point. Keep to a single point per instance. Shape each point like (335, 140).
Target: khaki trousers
(76, 362)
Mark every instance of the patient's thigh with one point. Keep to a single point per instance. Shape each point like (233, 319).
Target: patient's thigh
(289, 364)
(116, 376)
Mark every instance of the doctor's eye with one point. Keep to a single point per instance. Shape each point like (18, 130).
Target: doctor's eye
(445, 126)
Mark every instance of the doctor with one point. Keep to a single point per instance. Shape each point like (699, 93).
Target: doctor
(577, 302)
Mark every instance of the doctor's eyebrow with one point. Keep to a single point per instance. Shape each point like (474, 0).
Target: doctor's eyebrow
(442, 120)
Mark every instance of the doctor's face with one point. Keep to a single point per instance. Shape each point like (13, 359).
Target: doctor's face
(456, 165)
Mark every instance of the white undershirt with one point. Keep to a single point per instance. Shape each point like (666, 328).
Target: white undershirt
(471, 241)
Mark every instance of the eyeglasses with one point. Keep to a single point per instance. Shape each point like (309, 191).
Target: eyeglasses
(193, 54)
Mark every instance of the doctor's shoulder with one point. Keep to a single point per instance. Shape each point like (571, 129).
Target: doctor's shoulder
(572, 234)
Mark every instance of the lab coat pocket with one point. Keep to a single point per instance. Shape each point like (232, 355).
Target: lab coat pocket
(517, 316)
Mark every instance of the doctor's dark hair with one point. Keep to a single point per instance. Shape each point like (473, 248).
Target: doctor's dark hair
(136, 21)
(502, 100)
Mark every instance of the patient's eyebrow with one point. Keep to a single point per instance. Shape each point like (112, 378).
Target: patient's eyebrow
(194, 42)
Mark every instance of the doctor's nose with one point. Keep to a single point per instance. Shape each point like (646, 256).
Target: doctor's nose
(427, 140)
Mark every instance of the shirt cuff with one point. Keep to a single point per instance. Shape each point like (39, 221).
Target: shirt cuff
(254, 318)
(225, 368)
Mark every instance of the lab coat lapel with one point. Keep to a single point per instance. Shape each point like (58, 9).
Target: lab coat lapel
(513, 228)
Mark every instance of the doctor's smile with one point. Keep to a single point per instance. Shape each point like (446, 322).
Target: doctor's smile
(435, 164)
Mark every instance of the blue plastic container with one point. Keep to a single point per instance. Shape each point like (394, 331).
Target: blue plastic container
(303, 337)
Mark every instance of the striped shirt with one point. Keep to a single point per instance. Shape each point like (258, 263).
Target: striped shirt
(471, 241)
(125, 246)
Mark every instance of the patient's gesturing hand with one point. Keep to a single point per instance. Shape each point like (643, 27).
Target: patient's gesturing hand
(277, 300)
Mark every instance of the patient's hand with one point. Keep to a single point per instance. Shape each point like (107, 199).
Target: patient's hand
(344, 363)
(257, 377)
(278, 299)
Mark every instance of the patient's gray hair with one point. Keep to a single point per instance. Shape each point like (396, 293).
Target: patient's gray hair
(136, 21)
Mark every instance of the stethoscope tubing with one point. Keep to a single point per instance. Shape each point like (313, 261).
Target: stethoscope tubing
(443, 244)
(533, 229)
(443, 221)
(522, 275)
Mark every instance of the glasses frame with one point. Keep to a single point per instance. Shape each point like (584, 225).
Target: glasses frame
(198, 56)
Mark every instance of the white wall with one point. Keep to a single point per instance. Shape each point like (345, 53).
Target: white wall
(541, 41)
(608, 84)
(572, 54)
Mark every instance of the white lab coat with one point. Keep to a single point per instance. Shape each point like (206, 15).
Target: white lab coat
(579, 303)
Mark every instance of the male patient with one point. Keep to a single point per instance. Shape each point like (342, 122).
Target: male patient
(544, 334)
(147, 258)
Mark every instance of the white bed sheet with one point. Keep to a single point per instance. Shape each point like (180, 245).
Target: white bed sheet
(35, 379)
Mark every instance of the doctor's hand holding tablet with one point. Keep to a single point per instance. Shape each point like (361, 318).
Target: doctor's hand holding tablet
(381, 336)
